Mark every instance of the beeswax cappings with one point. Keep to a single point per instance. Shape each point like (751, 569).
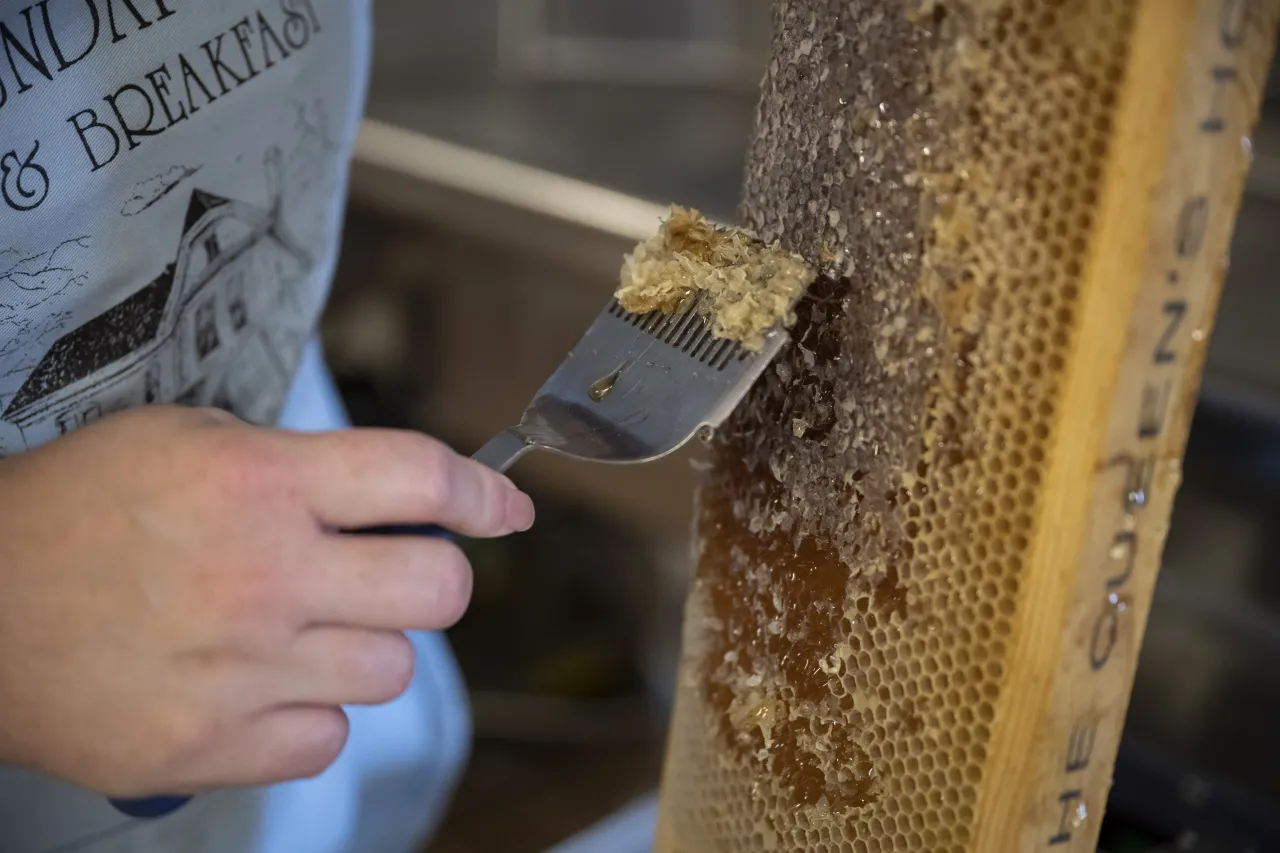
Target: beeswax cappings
(747, 286)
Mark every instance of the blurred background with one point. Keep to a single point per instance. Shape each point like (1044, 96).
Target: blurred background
(515, 150)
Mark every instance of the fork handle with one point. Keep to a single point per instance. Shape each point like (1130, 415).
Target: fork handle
(150, 808)
(498, 454)
(501, 452)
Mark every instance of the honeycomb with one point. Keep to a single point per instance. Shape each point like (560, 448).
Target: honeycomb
(866, 524)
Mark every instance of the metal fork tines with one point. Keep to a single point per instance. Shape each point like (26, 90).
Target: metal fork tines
(635, 388)
(686, 329)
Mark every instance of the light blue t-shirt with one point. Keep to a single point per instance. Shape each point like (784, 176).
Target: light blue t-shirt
(172, 176)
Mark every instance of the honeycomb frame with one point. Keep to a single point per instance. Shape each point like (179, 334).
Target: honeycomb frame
(873, 513)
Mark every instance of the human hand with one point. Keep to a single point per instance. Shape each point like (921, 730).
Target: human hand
(179, 610)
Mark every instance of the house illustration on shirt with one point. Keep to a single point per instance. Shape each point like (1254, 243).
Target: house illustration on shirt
(198, 334)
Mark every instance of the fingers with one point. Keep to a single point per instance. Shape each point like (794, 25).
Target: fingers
(279, 745)
(347, 666)
(368, 478)
(390, 583)
(300, 727)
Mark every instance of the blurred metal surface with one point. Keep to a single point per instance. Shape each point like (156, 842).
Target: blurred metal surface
(1242, 372)
(579, 93)
(670, 42)
(1200, 741)
(468, 192)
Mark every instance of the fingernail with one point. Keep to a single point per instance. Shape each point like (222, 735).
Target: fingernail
(520, 511)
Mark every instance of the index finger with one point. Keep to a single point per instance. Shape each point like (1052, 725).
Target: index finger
(362, 478)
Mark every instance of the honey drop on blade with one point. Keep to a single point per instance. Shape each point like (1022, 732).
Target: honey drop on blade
(602, 386)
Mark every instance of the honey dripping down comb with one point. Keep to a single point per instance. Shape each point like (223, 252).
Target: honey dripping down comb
(928, 540)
